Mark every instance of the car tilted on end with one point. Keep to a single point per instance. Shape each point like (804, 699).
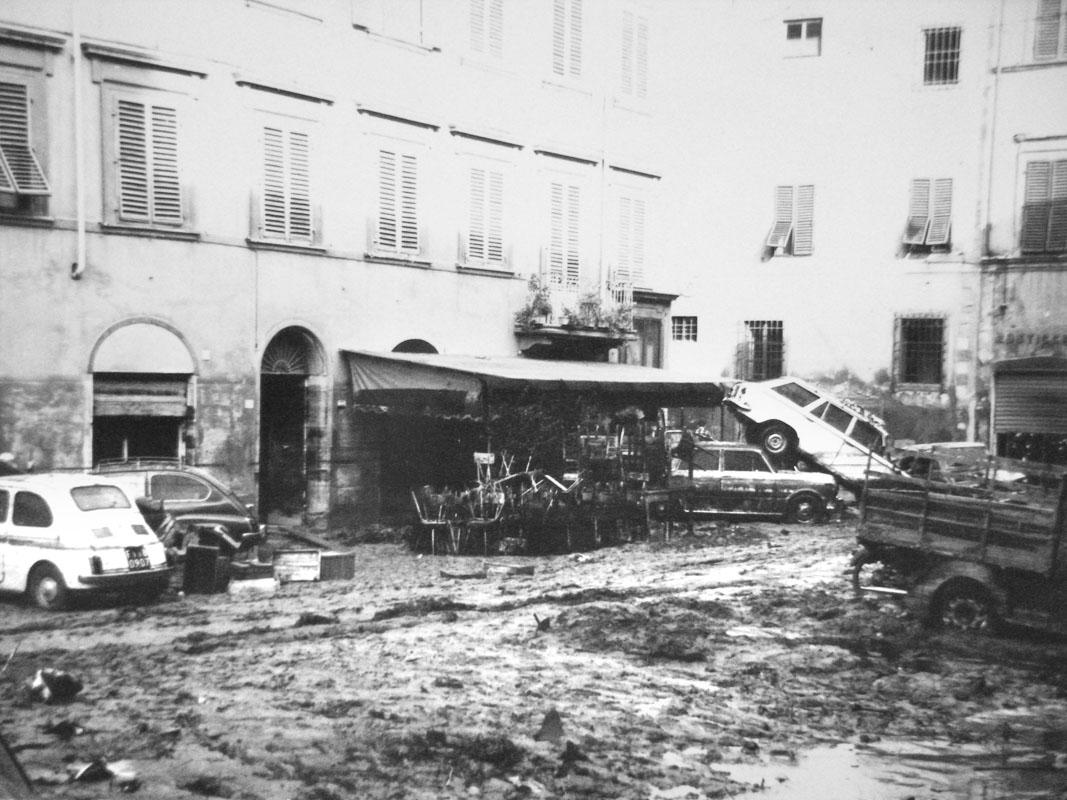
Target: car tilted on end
(66, 534)
(726, 478)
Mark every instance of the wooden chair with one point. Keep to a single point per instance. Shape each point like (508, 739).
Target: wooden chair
(430, 522)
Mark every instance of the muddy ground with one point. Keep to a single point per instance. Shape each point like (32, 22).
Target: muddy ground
(709, 665)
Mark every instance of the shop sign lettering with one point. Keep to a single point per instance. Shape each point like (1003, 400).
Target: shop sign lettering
(1019, 337)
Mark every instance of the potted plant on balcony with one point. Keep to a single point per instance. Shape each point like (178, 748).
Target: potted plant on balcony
(538, 308)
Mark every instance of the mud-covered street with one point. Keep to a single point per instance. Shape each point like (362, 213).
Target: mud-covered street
(735, 660)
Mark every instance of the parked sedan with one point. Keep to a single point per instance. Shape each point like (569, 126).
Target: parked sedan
(62, 535)
(738, 479)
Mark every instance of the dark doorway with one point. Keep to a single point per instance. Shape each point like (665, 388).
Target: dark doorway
(282, 477)
(125, 437)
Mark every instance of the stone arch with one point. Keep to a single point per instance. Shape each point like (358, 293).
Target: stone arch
(415, 346)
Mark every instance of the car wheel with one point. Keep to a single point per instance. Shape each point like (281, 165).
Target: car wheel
(965, 606)
(806, 509)
(777, 439)
(46, 588)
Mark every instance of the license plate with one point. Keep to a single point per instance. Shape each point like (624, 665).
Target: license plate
(137, 559)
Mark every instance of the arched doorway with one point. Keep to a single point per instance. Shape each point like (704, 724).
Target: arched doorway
(291, 422)
(143, 393)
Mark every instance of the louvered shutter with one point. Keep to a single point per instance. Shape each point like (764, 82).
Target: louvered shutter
(409, 216)
(476, 235)
(478, 24)
(637, 243)
(555, 243)
(941, 213)
(573, 265)
(628, 54)
(387, 205)
(559, 37)
(133, 162)
(1047, 30)
(625, 252)
(299, 186)
(1057, 227)
(20, 171)
(576, 38)
(166, 186)
(783, 218)
(274, 204)
(641, 58)
(918, 212)
(495, 218)
(802, 233)
(495, 29)
(1037, 210)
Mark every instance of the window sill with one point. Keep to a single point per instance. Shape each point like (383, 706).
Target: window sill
(151, 233)
(21, 221)
(395, 40)
(487, 272)
(397, 260)
(562, 84)
(285, 247)
(1052, 62)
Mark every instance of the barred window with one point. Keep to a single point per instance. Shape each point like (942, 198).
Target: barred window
(684, 329)
(941, 64)
(921, 350)
(761, 351)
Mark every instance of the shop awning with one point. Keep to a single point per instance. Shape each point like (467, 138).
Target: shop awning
(463, 386)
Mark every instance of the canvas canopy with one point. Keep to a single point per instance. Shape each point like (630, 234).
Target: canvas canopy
(468, 386)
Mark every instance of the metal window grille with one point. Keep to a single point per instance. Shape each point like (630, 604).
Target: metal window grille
(762, 350)
(941, 64)
(922, 349)
(684, 329)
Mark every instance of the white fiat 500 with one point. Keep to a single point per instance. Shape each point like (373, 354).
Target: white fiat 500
(64, 534)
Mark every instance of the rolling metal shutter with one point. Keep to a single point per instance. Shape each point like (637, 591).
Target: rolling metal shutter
(139, 395)
(1030, 402)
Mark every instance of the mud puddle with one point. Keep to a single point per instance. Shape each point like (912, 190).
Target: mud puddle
(899, 770)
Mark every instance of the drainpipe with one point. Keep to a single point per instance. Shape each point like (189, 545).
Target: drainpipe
(78, 267)
(986, 214)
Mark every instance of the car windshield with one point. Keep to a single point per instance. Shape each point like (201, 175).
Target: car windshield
(101, 496)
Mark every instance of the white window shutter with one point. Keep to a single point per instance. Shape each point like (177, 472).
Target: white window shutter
(20, 171)
(476, 233)
(555, 243)
(132, 132)
(573, 267)
(624, 258)
(1057, 228)
(628, 54)
(409, 216)
(166, 185)
(1037, 210)
(299, 186)
(274, 200)
(641, 58)
(918, 212)
(1047, 30)
(567, 38)
(559, 36)
(575, 54)
(637, 243)
(387, 206)
(941, 213)
(783, 218)
(805, 222)
(495, 219)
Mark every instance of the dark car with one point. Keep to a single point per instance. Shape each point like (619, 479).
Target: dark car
(201, 506)
(737, 479)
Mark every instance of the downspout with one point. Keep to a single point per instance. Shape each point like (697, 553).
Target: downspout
(78, 267)
(985, 232)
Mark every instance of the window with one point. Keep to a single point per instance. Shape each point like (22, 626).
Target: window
(4, 500)
(1044, 223)
(803, 37)
(795, 393)
(684, 329)
(394, 19)
(397, 230)
(794, 212)
(31, 510)
(564, 261)
(634, 78)
(929, 215)
(177, 487)
(743, 461)
(567, 38)
(761, 353)
(485, 221)
(1050, 30)
(23, 184)
(920, 350)
(286, 183)
(941, 62)
(630, 255)
(149, 188)
(487, 28)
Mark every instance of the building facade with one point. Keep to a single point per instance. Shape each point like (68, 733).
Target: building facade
(196, 218)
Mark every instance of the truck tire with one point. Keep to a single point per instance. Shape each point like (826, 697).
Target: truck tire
(966, 606)
(46, 588)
